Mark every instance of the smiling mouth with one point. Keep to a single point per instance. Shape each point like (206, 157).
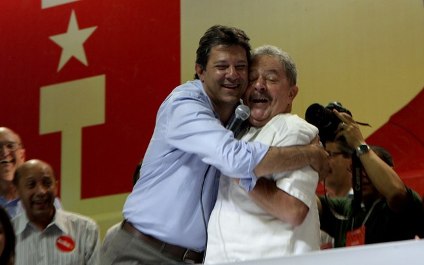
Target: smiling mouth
(259, 100)
(6, 161)
(231, 86)
(40, 203)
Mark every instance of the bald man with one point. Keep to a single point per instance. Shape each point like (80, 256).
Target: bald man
(45, 234)
(12, 155)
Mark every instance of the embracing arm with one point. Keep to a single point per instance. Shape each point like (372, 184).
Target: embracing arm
(278, 203)
(279, 159)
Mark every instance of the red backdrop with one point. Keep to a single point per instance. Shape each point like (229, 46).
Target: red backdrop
(136, 46)
(403, 137)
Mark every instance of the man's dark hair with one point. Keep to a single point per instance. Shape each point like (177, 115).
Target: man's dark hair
(8, 254)
(220, 35)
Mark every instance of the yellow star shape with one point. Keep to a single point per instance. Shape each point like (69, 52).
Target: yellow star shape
(72, 42)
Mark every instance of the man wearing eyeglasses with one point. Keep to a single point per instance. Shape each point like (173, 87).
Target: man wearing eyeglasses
(338, 183)
(12, 155)
(388, 209)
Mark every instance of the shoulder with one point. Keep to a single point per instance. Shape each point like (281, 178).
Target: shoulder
(414, 200)
(19, 222)
(65, 217)
(291, 121)
(192, 89)
(187, 95)
(291, 124)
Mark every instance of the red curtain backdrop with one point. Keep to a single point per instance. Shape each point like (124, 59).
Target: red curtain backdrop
(403, 136)
(135, 45)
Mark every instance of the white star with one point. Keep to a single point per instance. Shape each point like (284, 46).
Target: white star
(72, 42)
(52, 3)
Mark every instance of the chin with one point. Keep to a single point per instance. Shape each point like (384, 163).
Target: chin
(257, 123)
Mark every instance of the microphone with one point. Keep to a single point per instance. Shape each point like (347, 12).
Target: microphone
(241, 113)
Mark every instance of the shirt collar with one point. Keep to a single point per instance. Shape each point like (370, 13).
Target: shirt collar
(22, 222)
(4, 201)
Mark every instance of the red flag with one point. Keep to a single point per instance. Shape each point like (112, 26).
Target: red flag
(98, 68)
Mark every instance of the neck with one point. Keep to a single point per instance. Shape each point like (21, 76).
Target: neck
(8, 190)
(342, 191)
(42, 222)
(338, 190)
(225, 111)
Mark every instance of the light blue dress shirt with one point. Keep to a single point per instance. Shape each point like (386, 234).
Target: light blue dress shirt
(175, 176)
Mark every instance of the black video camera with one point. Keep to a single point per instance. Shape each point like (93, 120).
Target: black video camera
(325, 120)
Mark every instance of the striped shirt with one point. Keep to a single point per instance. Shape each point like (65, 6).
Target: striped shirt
(69, 239)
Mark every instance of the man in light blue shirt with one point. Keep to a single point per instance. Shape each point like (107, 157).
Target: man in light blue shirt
(167, 212)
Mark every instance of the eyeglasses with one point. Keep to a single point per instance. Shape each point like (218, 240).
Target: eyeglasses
(10, 146)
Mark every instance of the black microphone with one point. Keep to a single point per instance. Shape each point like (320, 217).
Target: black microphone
(241, 113)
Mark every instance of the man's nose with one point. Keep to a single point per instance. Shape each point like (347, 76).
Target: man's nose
(3, 150)
(260, 84)
(41, 189)
(232, 72)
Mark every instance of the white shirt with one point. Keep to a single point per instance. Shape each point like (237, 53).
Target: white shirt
(69, 239)
(241, 230)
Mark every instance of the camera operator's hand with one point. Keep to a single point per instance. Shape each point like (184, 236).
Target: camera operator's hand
(349, 129)
(378, 174)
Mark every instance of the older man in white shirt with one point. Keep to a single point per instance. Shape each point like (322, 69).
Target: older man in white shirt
(248, 225)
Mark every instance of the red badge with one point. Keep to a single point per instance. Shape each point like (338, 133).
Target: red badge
(65, 243)
(355, 237)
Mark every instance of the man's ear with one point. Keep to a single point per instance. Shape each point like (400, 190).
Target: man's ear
(293, 92)
(23, 154)
(56, 188)
(199, 71)
(350, 168)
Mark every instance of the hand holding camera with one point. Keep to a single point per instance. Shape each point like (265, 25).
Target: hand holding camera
(349, 130)
(335, 123)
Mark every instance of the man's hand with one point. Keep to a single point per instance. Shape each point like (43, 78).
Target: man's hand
(318, 159)
(349, 129)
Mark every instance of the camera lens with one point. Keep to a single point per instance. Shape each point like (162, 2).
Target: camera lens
(324, 119)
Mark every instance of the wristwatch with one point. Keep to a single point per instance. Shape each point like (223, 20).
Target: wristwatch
(362, 149)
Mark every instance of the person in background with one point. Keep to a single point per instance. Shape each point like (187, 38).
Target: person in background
(338, 183)
(46, 235)
(188, 151)
(7, 239)
(389, 210)
(12, 155)
(242, 226)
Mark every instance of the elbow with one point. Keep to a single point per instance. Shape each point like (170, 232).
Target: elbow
(299, 216)
(398, 200)
(296, 216)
